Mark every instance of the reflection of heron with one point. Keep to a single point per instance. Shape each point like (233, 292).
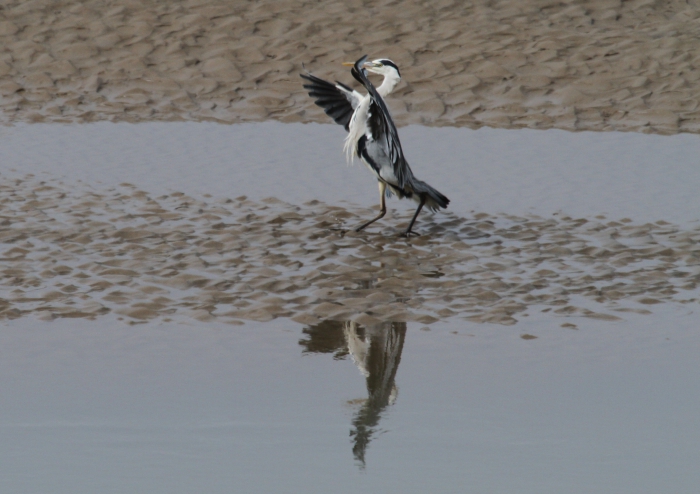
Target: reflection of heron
(372, 134)
(377, 352)
(377, 355)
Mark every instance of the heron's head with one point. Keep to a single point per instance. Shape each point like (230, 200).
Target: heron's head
(381, 66)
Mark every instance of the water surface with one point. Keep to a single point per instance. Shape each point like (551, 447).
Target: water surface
(644, 177)
(163, 333)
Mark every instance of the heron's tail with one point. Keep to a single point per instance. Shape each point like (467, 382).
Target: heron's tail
(435, 199)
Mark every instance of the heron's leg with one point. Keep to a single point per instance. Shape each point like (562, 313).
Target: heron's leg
(382, 206)
(408, 231)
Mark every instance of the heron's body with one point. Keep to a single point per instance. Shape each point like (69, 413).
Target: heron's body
(372, 135)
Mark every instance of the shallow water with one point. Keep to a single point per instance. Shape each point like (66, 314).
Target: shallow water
(643, 177)
(540, 336)
(267, 408)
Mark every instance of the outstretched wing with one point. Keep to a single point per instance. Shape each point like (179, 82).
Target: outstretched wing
(382, 126)
(337, 100)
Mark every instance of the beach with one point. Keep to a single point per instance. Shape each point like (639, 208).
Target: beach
(601, 65)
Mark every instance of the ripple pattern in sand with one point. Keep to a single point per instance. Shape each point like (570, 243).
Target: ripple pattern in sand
(72, 251)
(606, 65)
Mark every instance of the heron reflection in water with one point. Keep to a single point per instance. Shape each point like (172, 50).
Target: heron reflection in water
(376, 351)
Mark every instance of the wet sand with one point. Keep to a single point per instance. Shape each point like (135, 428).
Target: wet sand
(72, 252)
(602, 65)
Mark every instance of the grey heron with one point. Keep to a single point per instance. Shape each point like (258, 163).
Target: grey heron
(372, 134)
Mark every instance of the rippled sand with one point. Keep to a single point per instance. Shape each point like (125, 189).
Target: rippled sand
(71, 251)
(598, 65)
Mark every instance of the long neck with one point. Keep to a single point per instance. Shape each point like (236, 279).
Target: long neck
(388, 84)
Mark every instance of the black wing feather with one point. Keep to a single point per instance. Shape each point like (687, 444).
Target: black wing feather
(330, 98)
(382, 126)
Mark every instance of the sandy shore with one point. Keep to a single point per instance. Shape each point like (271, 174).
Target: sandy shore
(84, 253)
(601, 65)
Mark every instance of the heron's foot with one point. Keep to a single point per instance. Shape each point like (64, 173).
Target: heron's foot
(342, 231)
(408, 233)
